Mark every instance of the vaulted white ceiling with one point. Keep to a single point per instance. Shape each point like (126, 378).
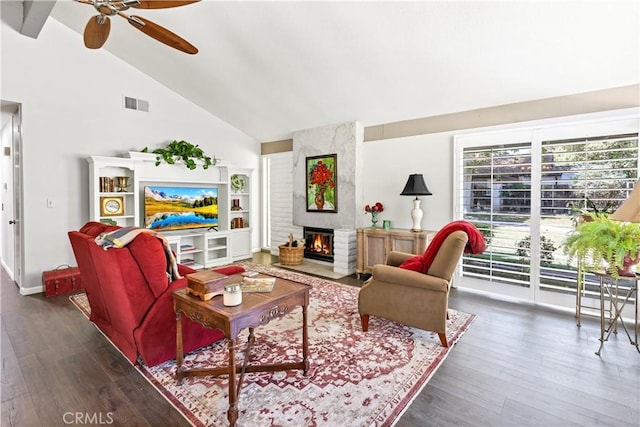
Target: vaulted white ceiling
(271, 68)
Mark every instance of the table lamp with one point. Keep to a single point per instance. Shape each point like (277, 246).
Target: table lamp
(415, 186)
(629, 211)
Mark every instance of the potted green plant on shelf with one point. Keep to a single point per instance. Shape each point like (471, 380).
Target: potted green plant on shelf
(185, 151)
(602, 240)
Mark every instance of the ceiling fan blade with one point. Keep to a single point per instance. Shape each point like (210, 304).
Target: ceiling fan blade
(162, 4)
(97, 31)
(161, 34)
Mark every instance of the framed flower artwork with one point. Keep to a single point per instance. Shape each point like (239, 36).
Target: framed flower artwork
(322, 183)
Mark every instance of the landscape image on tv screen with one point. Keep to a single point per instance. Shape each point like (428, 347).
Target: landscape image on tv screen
(179, 207)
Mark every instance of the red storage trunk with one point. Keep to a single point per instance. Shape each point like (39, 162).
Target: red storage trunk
(62, 280)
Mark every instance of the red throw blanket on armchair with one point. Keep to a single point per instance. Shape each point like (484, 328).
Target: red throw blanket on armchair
(475, 245)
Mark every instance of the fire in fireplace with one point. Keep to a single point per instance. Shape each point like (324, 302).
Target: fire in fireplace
(318, 243)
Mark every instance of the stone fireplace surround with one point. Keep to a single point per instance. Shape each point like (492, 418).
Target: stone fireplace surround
(345, 140)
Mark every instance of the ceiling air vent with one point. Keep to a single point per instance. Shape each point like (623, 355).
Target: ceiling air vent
(136, 104)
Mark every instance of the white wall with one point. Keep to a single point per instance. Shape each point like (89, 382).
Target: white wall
(72, 108)
(387, 165)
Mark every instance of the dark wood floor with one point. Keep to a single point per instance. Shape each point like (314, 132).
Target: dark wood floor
(518, 365)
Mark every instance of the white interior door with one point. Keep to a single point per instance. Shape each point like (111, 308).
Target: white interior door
(17, 196)
(11, 189)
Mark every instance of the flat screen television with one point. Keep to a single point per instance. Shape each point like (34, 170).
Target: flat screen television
(180, 207)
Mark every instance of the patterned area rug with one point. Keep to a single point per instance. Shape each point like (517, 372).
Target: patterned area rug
(356, 378)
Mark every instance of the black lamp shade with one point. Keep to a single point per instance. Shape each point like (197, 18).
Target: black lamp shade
(415, 186)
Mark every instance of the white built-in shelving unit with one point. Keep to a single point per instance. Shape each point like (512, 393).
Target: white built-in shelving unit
(198, 248)
(239, 209)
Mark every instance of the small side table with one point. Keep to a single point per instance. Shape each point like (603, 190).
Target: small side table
(257, 308)
(619, 291)
(581, 306)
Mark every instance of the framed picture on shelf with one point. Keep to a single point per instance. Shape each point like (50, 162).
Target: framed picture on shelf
(322, 183)
(111, 206)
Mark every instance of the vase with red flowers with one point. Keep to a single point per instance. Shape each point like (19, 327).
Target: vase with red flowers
(374, 210)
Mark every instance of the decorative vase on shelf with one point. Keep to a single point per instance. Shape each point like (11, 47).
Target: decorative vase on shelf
(123, 183)
(374, 219)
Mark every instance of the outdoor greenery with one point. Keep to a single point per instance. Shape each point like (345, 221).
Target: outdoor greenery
(547, 248)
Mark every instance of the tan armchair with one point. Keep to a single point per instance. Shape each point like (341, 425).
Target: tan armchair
(409, 297)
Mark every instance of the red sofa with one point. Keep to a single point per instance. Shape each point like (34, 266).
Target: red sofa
(130, 296)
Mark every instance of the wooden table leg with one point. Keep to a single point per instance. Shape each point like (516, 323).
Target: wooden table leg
(250, 340)
(305, 341)
(232, 412)
(179, 354)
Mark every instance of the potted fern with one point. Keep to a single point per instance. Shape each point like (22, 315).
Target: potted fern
(185, 151)
(603, 240)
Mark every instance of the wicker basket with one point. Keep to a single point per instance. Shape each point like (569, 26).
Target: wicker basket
(289, 254)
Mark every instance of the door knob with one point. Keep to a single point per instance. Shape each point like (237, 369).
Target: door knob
(12, 222)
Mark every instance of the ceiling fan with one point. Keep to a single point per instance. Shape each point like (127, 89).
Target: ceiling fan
(98, 27)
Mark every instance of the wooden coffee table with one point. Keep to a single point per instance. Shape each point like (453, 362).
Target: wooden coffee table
(257, 308)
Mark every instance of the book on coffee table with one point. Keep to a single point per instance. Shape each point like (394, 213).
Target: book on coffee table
(258, 284)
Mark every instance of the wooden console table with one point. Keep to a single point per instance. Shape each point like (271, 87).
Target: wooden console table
(375, 243)
(257, 308)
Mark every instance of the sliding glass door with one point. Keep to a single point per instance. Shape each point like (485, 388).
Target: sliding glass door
(523, 189)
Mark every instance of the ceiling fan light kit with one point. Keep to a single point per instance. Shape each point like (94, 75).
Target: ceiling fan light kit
(97, 29)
